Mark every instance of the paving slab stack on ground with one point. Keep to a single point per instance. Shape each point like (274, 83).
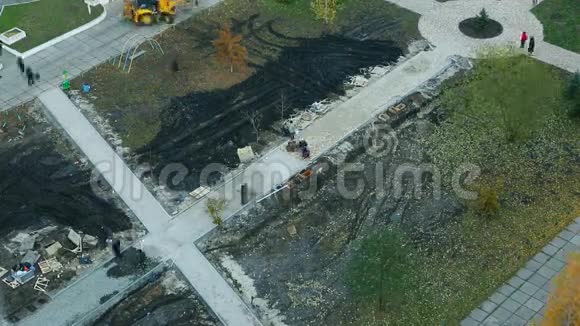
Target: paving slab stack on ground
(523, 298)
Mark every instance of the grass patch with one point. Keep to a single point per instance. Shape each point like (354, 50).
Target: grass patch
(535, 176)
(45, 20)
(133, 101)
(561, 20)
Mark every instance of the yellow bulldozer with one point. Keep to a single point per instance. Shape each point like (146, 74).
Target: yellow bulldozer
(148, 12)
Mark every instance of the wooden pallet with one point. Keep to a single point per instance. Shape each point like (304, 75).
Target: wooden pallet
(41, 284)
(13, 284)
(50, 265)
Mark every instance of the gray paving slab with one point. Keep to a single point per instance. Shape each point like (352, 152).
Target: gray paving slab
(529, 290)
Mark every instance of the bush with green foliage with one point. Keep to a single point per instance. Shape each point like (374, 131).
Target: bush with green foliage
(377, 274)
(482, 19)
(487, 202)
(215, 208)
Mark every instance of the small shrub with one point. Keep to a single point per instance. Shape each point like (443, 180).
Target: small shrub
(487, 202)
(215, 208)
(482, 19)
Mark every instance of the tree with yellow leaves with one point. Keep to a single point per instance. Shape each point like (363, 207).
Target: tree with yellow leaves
(230, 51)
(325, 10)
(564, 305)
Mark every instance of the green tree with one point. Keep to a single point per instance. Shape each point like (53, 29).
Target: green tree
(482, 19)
(379, 271)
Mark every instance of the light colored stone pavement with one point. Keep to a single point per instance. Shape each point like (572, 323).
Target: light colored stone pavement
(79, 53)
(522, 299)
(439, 24)
(172, 241)
(77, 300)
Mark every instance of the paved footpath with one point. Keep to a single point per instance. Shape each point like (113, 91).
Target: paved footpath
(522, 299)
(79, 53)
(177, 244)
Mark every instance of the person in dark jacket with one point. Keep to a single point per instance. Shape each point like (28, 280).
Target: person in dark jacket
(531, 46)
(29, 76)
(20, 63)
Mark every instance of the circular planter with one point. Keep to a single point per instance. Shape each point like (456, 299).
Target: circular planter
(472, 28)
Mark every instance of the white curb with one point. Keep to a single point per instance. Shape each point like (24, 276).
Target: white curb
(60, 38)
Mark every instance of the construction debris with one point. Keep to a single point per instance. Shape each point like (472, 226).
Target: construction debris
(246, 154)
(52, 249)
(31, 257)
(199, 192)
(41, 284)
(74, 237)
(292, 230)
(50, 265)
(26, 242)
(90, 241)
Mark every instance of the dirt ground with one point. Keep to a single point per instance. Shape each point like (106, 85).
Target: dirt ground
(198, 115)
(45, 191)
(165, 299)
(288, 257)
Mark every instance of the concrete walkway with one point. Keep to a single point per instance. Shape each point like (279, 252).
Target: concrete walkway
(79, 53)
(521, 300)
(172, 241)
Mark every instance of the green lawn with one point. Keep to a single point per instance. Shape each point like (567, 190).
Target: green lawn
(561, 20)
(45, 20)
(528, 157)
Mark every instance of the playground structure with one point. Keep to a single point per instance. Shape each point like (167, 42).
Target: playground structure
(131, 50)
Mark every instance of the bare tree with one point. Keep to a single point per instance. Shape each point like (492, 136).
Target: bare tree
(254, 117)
(283, 104)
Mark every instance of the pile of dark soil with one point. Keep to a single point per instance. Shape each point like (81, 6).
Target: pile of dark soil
(150, 305)
(472, 28)
(42, 186)
(302, 275)
(133, 261)
(208, 127)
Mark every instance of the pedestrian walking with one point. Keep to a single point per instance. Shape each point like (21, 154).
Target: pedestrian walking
(20, 63)
(29, 76)
(531, 46)
(534, 2)
(1, 45)
(197, 3)
(523, 39)
(116, 247)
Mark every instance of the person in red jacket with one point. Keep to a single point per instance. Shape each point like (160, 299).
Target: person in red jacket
(523, 39)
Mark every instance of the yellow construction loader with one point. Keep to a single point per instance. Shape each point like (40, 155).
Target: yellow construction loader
(148, 12)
